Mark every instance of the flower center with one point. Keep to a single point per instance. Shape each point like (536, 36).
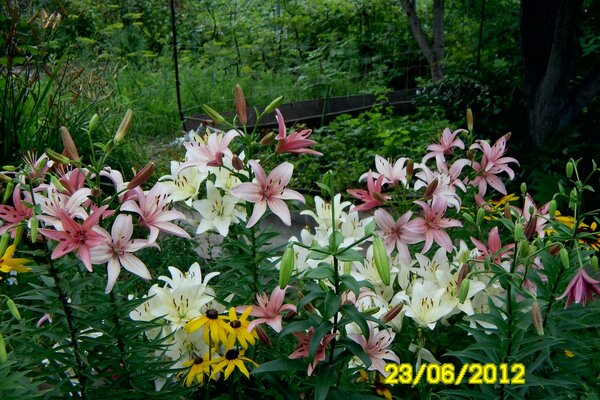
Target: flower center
(198, 360)
(235, 324)
(212, 314)
(232, 354)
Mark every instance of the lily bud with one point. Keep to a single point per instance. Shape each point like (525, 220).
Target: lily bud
(469, 120)
(564, 258)
(379, 197)
(142, 176)
(12, 307)
(430, 190)
(523, 188)
(410, 169)
(33, 228)
(4, 178)
(262, 335)
(569, 169)
(518, 232)
(57, 157)
(240, 105)
(381, 259)
(268, 139)
(57, 183)
(464, 290)
(213, 114)
(393, 313)
(237, 163)
(3, 355)
(462, 274)
(507, 213)
(524, 248)
(554, 249)
(531, 226)
(69, 144)
(274, 104)
(10, 186)
(19, 231)
(124, 126)
(480, 215)
(371, 310)
(595, 263)
(536, 318)
(287, 266)
(93, 122)
(552, 209)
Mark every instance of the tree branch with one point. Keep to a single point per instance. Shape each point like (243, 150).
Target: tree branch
(415, 27)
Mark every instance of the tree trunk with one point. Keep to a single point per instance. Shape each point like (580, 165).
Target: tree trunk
(550, 47)
(433, 52)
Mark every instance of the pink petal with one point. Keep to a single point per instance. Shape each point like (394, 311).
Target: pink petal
(259, 209)
(280, 209)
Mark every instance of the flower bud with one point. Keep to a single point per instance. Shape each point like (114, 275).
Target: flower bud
(124, 126)
(262, 335)
(552, 209)
(3, 355)
(213, 114)
(430, 190)
(19, 231)
(379, 197)
(381, 259)
(462, 274)
(4, 178)
(69, 144)
(480, 215)
(4, 242)
(142, 176)
(12, 307)
(9, 168)
(595, 263)
(240, 105)
(410, 169)
(274, 104)
(569, 169)
(33, 228)
(370, 311)
(554, 249)
(464, 290)
(287, 266)
(268, 139)
(536, 318)
(524, 248)
(93, 122)
(57, 157)
(237, 163)
(518, 232)
(57, 183)
(523, 188)
(531, 226)
(393, 313)
(564, 258)
(507, 213)
(469, 120)
(10, 186)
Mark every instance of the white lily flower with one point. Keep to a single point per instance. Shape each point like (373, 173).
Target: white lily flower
(427, 304)
(217, 211)
(323, 212)
(183, 183)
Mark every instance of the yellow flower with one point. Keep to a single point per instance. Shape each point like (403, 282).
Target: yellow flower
(8, 263)
(379, 386)
(199, 367)
(240, 328)
(233, 358)
(214, 325)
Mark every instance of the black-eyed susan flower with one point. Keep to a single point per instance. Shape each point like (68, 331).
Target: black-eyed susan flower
(216, 328)
(379, 386)
(199, 366)
(8, 263)
(233, 358)
(240, 328)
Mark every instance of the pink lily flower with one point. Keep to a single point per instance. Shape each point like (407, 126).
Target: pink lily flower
(117, 251)
(153, 209)
(268, 191)
(433, 223)
(494, 247)
(53, 203)
(17, 213)
(443, 186)
(492, 163)
(398, 233)
(79, 238)
(581, 288)
(73, 180)
(535, 217)
(302, 349)
(444, 148)
(211, 151)
(377, 348)
(373, 197)
(268, 311)
(296, 143)
(392, 174)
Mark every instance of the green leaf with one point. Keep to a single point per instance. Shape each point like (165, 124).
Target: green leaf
(324, 382)
(370, 228)
(298, 326)
(335, 240)
(318, 255)
(283, 364)
(357, 350)
(332, 304)
(357, 317)
(315, 294)
(350, 283)
(350, 255)
(323, 271)
(318, 336)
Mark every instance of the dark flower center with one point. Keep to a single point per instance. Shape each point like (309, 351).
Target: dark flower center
(198, 360)
(212, 314)
(235, 324)
(232, 354)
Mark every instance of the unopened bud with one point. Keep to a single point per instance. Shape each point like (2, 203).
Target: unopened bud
(4, 178)
(507, 213)
(523, 188)
(9, 168)
(142, 176)
(531, 226)
(109, 146)
(393, 313)
(213, 114)
(381, 259)
(93, 122)
(10, 186)
(470, 155)
(57, 183)
(564, 258)
(536, 318)
(4, 243)
(12, 307)
(287, 266)
(480, 215)
(19, 231)
(552, 208)
(410, 169)
(462, 274)
(554, 249)
(379, 197)
(69, 144)
(569, 169)
(464, 290)
(3, 355)
(237, 163)
(268, 139)
(96, 192)
(274, 104)
(33, 228)
(262, 336)
(430, 190)
(370, 311)
(469, 120)
(240, 105)
(57, 157)
(124, 126)
(518, 232)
